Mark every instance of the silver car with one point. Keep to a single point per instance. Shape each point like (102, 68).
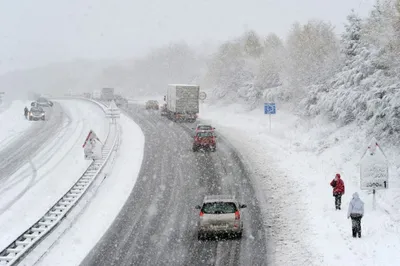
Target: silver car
(220, 214)
(36, 113)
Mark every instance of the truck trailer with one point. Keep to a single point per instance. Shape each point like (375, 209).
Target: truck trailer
(182, 102)
(107, 94)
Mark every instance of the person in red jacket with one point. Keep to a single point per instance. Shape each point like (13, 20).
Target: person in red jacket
(338, 190)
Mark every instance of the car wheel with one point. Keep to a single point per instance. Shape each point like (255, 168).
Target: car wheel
(239, 235)
(195, 148)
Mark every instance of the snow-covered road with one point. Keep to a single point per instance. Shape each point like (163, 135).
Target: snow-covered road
(13, 123)
(50, 171)
(90, 219)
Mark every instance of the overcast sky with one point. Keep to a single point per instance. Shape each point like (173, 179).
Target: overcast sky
(36, 32)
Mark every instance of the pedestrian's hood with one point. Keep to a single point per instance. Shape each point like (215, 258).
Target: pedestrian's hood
(356, 196)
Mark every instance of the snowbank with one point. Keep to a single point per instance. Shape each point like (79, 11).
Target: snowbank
(84, 226)
(292, 166)
(13, 122)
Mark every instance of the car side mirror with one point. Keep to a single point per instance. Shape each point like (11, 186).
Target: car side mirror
(198, 207)
(213, 127)
(242, 206)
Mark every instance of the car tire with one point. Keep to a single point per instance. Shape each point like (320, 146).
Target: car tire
(195, 148)
(239, 235)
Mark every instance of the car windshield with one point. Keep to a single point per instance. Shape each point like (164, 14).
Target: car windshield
(42, 100)
(205, 134)
(204, 127)
(219, 207)
(36, 109)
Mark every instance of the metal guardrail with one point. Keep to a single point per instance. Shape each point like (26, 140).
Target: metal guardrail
(24, 243)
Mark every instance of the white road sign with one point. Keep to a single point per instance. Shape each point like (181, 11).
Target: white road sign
(374, 168)
(202, 95)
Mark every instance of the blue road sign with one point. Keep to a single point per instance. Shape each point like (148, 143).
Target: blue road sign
(269, 108)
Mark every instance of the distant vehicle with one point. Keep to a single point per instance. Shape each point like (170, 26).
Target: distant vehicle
(152, 104)
(87, 95)
(203, 127)
(182, 102)
(204, 140)
(120, 101)
(43, 102)
(164, 109)
(107, 94)
(36, 113)
(220, 214)
(34, 104)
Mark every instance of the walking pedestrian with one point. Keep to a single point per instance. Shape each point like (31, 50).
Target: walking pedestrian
(338, 190)
(26, 112)
(356, 212)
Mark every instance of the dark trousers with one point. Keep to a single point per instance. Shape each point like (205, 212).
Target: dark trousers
(356, 224)
(338, 200)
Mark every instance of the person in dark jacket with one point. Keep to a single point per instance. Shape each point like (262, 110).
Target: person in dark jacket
(26, 112)
(356, 212)
(338, 190)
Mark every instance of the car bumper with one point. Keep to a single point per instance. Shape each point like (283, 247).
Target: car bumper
(36, 117)
(220, 230)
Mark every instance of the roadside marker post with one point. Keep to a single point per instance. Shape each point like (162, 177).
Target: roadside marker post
(270, 109)
(374, 170)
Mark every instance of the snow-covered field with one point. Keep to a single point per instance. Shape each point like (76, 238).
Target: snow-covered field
(84, 226)
(292, 166)
(51, 172)
(13, 122)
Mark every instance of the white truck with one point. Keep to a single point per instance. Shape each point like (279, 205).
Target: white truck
(182, 102)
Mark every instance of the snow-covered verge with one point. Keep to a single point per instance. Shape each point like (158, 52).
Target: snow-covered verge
(84, 226)
(13, 122)
(35, 187)
(304, 156)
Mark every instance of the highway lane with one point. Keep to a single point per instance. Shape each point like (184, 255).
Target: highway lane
(158, 223)
(18, 153)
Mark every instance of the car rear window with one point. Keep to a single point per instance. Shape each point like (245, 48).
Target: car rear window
(204, 127)
(204, 134)
(219, 207)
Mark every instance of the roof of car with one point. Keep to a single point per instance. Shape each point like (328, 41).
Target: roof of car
(219, 198)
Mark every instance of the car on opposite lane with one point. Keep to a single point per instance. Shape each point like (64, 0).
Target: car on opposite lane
(36, 113)
(43, 102)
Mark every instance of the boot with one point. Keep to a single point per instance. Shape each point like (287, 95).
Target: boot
(359, 234)
(354, 233)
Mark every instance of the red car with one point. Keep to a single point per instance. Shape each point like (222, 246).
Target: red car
(204, 140)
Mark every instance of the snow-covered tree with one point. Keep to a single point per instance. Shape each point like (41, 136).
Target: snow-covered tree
(312, 55)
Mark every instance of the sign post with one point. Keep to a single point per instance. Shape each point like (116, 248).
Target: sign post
(113, 112)
(374, 169)
(269, 109)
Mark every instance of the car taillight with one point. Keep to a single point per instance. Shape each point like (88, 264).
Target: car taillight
(237, 215)
(201, 214)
